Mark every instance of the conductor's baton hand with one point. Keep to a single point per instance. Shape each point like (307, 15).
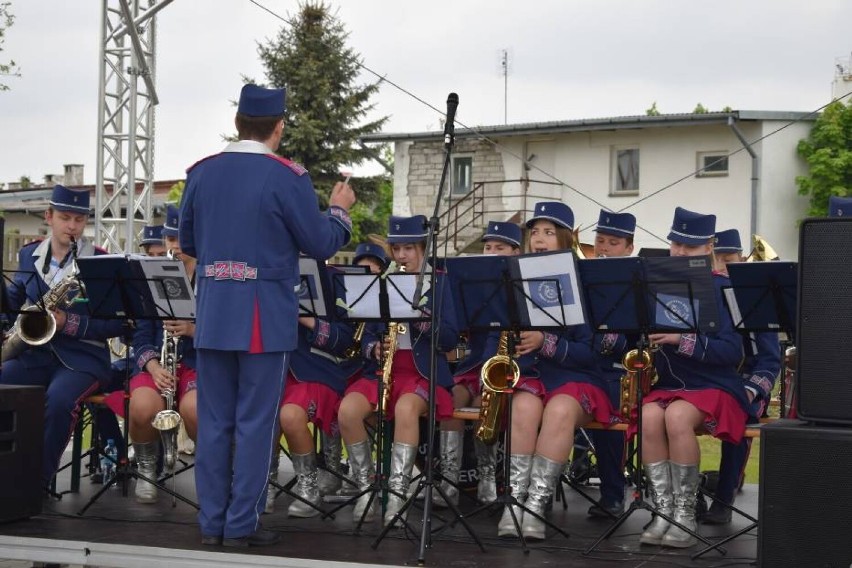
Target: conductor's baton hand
(342, 196)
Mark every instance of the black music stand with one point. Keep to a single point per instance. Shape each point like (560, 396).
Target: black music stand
(641, 296)
(762, 298)
(134, 287)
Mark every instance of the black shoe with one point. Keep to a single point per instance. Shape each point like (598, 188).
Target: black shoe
(211, 540)
(260, 537)
(718, 514)
(606, 510)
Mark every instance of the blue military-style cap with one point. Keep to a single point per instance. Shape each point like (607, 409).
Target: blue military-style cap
(728, 241)
(839, 206)
(369, 249)
(690, 228)
(152, 235)
(261, 102)
(402, 230)
(70, 200)
(506, 232)
(556, 211)
(170, 229)
(616, 224)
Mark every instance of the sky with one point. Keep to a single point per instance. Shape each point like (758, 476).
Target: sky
(567, 60)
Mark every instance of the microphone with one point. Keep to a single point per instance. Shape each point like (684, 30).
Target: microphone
(449, 125)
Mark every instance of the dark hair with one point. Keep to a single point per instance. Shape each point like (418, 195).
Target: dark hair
(256, 127)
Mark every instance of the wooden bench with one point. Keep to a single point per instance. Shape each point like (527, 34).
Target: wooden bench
(751, 432)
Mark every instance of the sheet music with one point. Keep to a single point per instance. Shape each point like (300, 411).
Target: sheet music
(550, 283)
(401, 293)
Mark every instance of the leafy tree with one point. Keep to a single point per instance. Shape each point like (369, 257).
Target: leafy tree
(652, 111)
(6, 21)
(326, 107)
(175, 193)
(700, 109)
(727, 108)
(25, 182)
(828, 152)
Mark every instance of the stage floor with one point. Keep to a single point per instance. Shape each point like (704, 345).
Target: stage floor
(117, 531)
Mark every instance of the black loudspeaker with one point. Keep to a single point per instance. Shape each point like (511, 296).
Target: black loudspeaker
(824, 335)
(21, 442)
(805, 508)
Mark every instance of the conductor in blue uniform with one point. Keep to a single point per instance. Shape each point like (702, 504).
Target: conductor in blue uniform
(246, 214)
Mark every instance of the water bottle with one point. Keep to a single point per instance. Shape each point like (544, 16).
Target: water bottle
(108, 460)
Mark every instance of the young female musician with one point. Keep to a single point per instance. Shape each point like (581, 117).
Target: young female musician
(698, 388)
(499, 239)
(566, 395)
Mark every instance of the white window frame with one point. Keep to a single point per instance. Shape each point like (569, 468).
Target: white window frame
(701, 157)
(455, 193)
(615, 178)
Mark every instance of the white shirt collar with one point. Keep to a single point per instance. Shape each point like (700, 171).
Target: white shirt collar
(248, 147)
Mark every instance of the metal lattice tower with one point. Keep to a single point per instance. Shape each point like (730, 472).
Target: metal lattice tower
(127, 97)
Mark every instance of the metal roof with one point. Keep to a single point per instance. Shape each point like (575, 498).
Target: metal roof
(590, 124)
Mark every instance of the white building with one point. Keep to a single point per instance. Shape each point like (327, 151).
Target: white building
(646, 165)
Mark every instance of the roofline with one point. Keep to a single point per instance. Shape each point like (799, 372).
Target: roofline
(592, 124)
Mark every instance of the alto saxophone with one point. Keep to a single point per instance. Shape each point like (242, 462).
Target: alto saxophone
(498, 374)
(637, 374)
(354, 350)
(394, 330)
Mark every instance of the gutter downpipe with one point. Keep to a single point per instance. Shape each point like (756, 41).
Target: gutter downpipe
(755, 179)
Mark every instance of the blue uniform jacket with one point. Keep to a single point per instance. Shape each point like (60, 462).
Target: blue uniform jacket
(705, 360)
(762, 363)
(245, 215)
(476, 357)
(315, 360)
(81, 344)
(148, 344)
(421, 336)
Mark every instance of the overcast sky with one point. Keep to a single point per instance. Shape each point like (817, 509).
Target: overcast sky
(568, 60)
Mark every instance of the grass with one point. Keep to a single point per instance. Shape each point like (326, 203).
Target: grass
(711, 452)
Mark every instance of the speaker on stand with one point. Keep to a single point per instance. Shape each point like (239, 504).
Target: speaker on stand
(21, 443)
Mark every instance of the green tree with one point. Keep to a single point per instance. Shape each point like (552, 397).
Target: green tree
(25, 182)
(828, 152)
(6, 21)
(175, 193)
(700, 109)
(652, 111)
(327, 109)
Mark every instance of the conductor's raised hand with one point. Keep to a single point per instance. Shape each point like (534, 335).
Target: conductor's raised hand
(342, 196)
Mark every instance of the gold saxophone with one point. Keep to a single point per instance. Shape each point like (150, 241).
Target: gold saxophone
(354, 350)
(36, 325)
(394, 330)
(761, 251)
(498, 374)
(637, 374)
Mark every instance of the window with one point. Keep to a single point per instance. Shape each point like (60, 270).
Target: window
(625, 171)
(711, 164)
(462, 181)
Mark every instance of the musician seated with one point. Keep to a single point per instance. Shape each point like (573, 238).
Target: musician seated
(148, 386)
(152, 241)
(567, 394)
(698, 389)
(74, 361)
(319, 371)
(502, 239)
(759, 370)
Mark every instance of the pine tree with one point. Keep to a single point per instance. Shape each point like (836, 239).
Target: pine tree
(325, 106)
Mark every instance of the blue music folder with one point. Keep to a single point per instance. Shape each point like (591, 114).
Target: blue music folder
(612, 287)
(480, 285)
(765, 295)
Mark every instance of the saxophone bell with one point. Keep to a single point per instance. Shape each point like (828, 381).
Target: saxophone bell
(499, 374)
(639, 373)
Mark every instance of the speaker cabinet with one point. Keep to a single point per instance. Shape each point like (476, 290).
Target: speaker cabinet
(805, 507)
(21, 442)
(824, 335)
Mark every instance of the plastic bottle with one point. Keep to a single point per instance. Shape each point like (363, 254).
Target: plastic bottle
(109, 460)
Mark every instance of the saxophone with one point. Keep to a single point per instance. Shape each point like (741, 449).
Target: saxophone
(354, 350)
(498, 374)
(36, 325)
(637, 374)
(394, 330)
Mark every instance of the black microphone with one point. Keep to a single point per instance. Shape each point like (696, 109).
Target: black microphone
(449, 125)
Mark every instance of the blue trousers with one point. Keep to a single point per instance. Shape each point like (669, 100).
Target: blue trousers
(64, 390)
(609, 448)
(238, 397)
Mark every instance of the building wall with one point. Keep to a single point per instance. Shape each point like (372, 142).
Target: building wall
(583, 163)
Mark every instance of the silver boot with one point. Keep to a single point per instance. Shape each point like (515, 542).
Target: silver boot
(329, 483)
(543, 477)
(146, 464)
(305, 467)
(486, 465)
(660, 485)
(519, 480)
(363, 472)
(271, 490)
(451, 455)
(685, 479)
(402, 462)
